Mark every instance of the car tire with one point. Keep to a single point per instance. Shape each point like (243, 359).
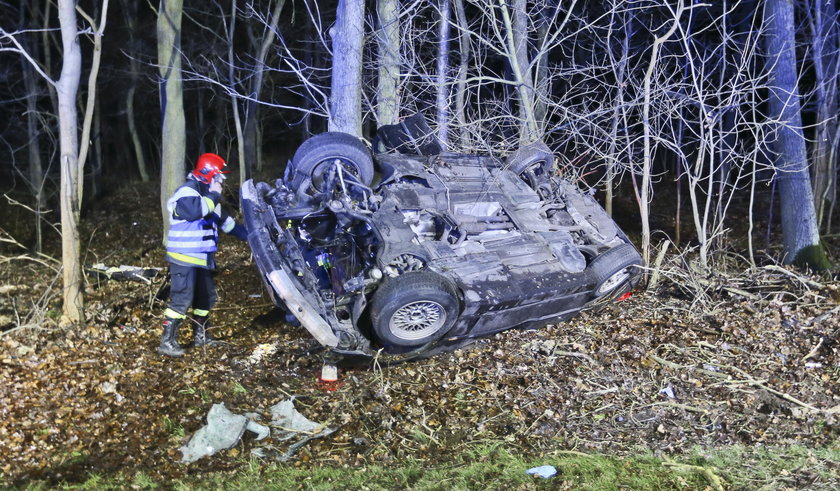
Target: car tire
(313, 158)
(413, 309)
(536, 158)
(614, 269)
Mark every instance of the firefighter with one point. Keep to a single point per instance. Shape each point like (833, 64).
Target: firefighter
(195, 218)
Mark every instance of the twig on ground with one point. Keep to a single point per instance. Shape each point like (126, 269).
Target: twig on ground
(813, 351)
(802, 279)
(715, 480)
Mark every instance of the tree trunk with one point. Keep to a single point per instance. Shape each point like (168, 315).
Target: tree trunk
(542, 79)
(521, 65)
(441, 88)
(645, 191)
(618, 102)
(36, 168)
(388, 37)
(130, 9)
(346, 80)
(91, 92)
(824, 32)
(251, 132)
(67, 89)
(173, 138)
(244, 173)
(463, 69)
(799, 219)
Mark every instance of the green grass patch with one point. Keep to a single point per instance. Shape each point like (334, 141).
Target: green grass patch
(498, 467)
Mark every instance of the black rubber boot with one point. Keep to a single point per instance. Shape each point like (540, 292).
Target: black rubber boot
(169, 342)
(200, 335)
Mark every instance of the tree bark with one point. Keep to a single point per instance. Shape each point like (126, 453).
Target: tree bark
(799, 219)
(463, 69)
(91, 91)
(173, 138)
(346, 80)
(388, 38)
(516, 34)
(441, 88)
(528, 131)
(67, 89)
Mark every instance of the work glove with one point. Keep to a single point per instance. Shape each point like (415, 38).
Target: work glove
(240, 232)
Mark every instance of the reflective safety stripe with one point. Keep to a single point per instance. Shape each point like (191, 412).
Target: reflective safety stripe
(207, 206)
(189, 233)
(188, 245)
(172, 314)
(187, 259)
(228, 225)
(188, 239)
(201, 313)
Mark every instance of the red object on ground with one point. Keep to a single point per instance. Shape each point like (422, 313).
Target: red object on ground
(624, 297)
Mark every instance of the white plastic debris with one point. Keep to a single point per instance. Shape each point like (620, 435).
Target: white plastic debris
(543, 471)
(222, 431)
(668, 391)
(289, 424)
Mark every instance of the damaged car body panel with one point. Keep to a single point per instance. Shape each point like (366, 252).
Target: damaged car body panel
(434, 251)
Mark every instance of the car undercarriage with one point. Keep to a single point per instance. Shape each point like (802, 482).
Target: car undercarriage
(422, 253)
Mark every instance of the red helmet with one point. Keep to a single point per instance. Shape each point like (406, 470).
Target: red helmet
(207, 166)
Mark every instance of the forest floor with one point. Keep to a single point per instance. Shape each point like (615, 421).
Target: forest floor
(714, 361)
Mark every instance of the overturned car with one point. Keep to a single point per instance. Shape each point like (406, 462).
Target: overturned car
(417, 254)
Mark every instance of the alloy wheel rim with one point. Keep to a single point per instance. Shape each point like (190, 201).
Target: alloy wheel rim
(417, 320)
(613, 281)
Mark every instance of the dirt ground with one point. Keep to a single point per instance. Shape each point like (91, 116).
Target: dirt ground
(705, 361)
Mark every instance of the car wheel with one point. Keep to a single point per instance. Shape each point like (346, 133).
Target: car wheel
(318, 154)
(413, 309)
(613, 269)
(532, 163)
(406, 260)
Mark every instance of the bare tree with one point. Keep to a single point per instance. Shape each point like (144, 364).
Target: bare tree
(36, 177)
(825, 55)
(644, 198)
(67, 87)
(130, 9)
(90, 106)
(255, 87)
(173, 137)
(799, 218)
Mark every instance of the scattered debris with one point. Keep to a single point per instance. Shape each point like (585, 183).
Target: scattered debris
(222, 431)
(543, 471)
(122, 273)
(668, 391)
(291, 424)
(261, 351)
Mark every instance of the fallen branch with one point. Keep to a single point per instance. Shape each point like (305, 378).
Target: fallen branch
(802, 279)
(760, 383)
